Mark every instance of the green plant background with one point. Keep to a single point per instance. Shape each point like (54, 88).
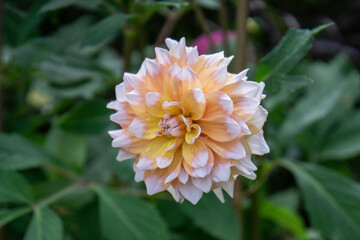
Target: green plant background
(59, 179)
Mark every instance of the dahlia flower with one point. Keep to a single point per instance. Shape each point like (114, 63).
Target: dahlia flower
(190, 125)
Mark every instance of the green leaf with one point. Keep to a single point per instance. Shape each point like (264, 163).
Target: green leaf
(8, 215)
(105, 30)
(123, 217)
(58, 4)
(344, 142)
(331, 199)
(284, 217)
(216, 218)
(14, 188)
(44, 225)
(86, 118)
(286, 83)
(67, 147)
(17, 153)
(286, 54)
(312, 107)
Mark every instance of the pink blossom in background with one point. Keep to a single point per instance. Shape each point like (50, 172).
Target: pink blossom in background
(203, 43)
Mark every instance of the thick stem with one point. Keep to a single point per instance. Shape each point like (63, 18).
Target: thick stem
(238, 199)
(224, 25)
(241, 38)
(128, 48)
(202, 22)
(167, 28)
(241, 34)
(254, 215)
(1, 45)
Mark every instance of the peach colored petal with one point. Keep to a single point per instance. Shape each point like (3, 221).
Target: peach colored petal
(185, 80)
(227, 150)
(218, 103)
(193, 102)
(195, 131)
(144, 126)
(124, 115)
(172, 108)
(220, 128)
(133, 81)
(196, 155)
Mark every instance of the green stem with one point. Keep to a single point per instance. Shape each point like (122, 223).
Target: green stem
(130, 37)
(1, 45)
(254, 216)
(59, 195)
(224, 25)
(241, 32)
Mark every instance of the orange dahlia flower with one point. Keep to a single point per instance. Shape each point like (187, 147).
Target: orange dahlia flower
(190, 125)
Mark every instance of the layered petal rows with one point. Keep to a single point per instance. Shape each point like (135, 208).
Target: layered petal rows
(190, 125)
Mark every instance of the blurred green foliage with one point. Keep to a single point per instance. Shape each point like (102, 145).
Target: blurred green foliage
(58, 175)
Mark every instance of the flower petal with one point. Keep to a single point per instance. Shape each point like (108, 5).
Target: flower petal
(220, 128)
(246, 107)
(219, 194)
(207, 61)
(194, 103)
(145, 163)
(175, 193)
(218, 103)
(213, 78)
(196, 155)
(228, 187)
(173, 170)
(183, 176)
(124, 139)
(136, 99)
(154, 182)
(256, 122)
(184, 80)
(195, 131)
(258, 144)
(192, 57)
(120, 92)
(163, 56)
(190, 192)
(153, 103)
(124, 155)
(132, 81)
(144, 127)
(124, 115)
(152, 67)
(170, 43)
(164, 158)
(179, 50)
(228, 150)
(221, 171)
(172, 108)
(203, 184)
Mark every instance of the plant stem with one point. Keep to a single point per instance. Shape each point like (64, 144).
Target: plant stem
(254, 216)
(1, 45)
(61, 171)
(168, 27)
(224, 25)
(59, 195)
(202, 21)
(128, 48)
(241, 34)
(238, 199)
(241, 38)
